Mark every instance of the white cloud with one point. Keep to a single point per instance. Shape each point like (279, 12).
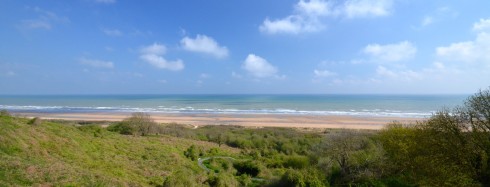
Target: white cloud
(308, 14)
(290, 24)
(156, 49)
(324, 73)
(112, 32)
(391, 52)
(259, 67)
(367, 8)
(97, 63)
(153, 54)
(162, 63)
(163, 81)
(105, 1)
(305, 19)
(45, 20)
(313, 7)
(482, 25)
(403, 75)
(475, 51)
(204, 44)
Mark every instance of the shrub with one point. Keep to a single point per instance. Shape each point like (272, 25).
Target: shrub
(122, 128)
(296, 162)
(180, 178)
(35, 121)
(247, 167)
(222, 180)
(300, 178)
(138, 124)
(192, 152)
(95, 129)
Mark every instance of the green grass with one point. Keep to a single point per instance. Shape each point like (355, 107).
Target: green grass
(59, 154)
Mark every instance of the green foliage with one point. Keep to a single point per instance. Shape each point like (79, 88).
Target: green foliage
(245, 180)
(451, 148)
(247, 167)
(96, 130)
(296, 162)
(300, 178)
(348, 156)
(35, 121)
(122, 128)
(222, 180)
(138, 124)
(181, 178)
(268, 141)
(55, 154)
(193, 152)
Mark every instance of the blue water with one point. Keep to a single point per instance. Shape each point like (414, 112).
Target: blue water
(356, 105)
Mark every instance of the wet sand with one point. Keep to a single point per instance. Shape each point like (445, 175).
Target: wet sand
(250, 120)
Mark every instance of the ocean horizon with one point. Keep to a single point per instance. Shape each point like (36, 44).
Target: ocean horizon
(382, 105)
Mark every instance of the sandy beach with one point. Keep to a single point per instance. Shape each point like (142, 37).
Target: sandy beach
(250, 120)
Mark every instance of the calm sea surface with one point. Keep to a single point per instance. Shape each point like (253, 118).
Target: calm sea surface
(357, 105)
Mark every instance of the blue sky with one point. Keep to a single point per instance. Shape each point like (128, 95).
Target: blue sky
(253, 46)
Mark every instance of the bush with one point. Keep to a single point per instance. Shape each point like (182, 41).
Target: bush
(138, 124)
(247, 167)
(122, 128)
(222, 180)
(296, 162)
(192, 152)
(35, 121)
(95, 129)
(300, 178)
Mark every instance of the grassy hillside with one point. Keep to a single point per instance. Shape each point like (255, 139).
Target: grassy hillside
(52, 153)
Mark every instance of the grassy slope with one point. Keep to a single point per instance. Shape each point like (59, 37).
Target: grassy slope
(57, 154)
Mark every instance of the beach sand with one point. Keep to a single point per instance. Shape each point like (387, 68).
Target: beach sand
(249, 120)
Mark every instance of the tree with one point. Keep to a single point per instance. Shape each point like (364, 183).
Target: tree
(450, 148)
(138, 124)
(350, 156)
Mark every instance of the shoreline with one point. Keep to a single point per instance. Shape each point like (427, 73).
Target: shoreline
(246, 120)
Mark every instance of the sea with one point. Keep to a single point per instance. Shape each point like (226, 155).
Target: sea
(415, 106)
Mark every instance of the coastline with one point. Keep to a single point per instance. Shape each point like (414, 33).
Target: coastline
(247, 120)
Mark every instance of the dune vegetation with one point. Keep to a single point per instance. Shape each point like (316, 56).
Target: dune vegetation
(451, 148)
